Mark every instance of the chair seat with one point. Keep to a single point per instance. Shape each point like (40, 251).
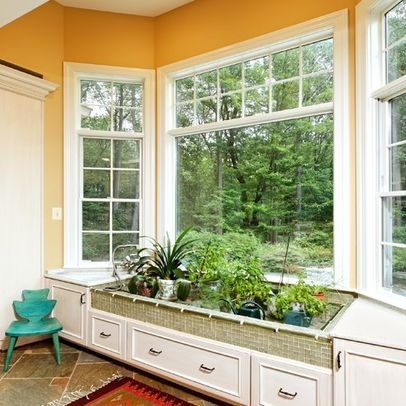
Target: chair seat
(24, 328)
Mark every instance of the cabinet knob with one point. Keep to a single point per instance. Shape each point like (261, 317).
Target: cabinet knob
(205, 369)
(104, 335)
(285, 394)
(83, 298)
(154, 352)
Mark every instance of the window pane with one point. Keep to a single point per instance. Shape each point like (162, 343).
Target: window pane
(398, 167)
(257, 101)
(317, 89)
(268, 180)
(396, 23)
(95, 247)
(123, 239)
(96, 183)
(184, 115)
(126, 184)
(397, 61)
(318, 56)
(126, 216)
(231, 106)
(95, 92)
(95, 216)
(127, 94)
(206, 84)
(127, 119)
(256, 71)
(394, 226)
(285, 64)
(96, 153)
(206, 111)
(285, 95)
(394, 276)
(126, 154)
(398, 118)
(96, 118)
(185, 89)
(230, 78)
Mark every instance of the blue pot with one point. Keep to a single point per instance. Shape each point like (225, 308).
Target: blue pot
(297, 318)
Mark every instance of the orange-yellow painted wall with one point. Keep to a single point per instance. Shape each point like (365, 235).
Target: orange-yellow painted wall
(35, 41)
(205, 25)
(109, 38)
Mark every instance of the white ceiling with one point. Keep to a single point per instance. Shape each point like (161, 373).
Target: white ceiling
(149, 8)
(12, 9)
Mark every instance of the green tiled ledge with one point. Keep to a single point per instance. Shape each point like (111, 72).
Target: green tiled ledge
(306, 345)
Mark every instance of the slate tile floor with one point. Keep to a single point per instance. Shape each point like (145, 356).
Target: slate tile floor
(34, 378)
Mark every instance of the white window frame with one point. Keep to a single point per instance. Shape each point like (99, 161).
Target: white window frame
(335, 25)
(73, 72)
(372, 96)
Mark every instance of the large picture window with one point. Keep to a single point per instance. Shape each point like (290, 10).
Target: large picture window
(251, 149)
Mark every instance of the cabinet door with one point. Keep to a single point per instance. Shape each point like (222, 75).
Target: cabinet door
(278, 382)
(70, 309)
(368, 375)
(106, 333)
(220, 371)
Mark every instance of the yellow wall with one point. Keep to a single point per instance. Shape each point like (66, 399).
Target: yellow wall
(51, 34)
(109, 38)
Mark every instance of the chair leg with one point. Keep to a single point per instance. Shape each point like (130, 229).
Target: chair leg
(57, 349)
(9, 354)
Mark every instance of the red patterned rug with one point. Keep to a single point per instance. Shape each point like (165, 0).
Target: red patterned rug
(126, 391)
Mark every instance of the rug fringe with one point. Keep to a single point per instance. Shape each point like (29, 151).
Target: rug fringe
(80, 393)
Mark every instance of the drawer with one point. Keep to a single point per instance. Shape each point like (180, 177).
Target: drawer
(217, 370)
(107, 334)
(281, 382)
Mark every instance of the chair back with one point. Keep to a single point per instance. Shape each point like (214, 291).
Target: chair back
(34, 310)
(37, 294)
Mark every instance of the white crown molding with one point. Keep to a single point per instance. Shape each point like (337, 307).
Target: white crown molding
(25, 84)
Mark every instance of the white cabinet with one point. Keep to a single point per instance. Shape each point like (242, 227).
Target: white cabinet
(107, 334)
(368, 375)
(21, 219)
(278, 382)
(71, 309)
(219, 370)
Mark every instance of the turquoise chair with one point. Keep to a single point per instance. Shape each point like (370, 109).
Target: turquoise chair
(35, 321)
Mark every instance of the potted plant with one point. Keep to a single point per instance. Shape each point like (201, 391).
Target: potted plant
(165, 262)
(297, 304)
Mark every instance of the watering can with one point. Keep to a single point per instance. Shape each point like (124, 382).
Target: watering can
(249, 309)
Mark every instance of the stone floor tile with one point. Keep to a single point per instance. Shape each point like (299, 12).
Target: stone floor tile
(43, 366)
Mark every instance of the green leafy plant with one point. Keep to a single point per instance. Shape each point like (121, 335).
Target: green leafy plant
(166, 261)
(300, 295)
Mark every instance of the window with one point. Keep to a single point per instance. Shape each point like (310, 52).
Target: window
(109, 161)
(382, 147)
(251, 146)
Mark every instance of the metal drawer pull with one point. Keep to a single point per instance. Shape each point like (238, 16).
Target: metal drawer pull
(205, 369)
(154, 352)
(83, 298)
(104, 335)
(287, 394)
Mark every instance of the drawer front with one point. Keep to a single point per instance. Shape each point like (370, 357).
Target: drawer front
(107, 334)
(280, 388)
(212, 369)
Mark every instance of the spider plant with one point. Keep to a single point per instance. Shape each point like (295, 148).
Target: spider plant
(165, 261)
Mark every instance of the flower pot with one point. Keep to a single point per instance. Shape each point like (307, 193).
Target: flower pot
(297, 318)
(166, 290)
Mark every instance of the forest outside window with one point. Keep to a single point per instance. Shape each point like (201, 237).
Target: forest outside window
(254, 145)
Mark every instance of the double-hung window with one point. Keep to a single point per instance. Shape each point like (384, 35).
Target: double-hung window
(108, 161)
(254, 140)
(382, 148)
